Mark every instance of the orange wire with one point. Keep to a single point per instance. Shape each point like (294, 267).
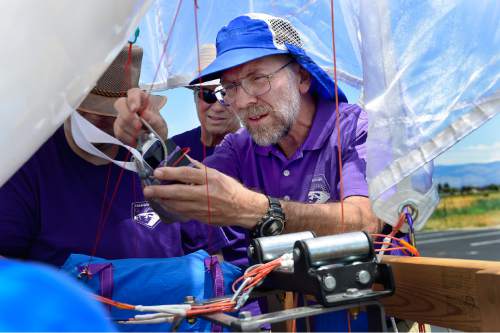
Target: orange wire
(398, 225)
(120, 305)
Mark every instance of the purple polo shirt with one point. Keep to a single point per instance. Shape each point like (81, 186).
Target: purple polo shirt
(311, 175)
(51, 208)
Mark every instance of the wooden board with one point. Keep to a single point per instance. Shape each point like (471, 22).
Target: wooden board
(453, 293)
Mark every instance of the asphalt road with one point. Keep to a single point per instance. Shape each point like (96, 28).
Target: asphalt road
(479, 244)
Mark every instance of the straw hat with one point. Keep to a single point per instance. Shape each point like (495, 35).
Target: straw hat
(115, 83)
(208, 53)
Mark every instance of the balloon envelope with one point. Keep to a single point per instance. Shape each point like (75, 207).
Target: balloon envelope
(54, 56)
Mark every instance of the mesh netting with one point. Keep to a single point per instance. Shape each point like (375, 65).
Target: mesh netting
(284, 32)
(115, 81)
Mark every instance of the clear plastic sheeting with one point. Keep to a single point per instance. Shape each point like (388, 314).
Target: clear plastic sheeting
(53, 53)
(431, 74)
(428, 72)
(162, 27)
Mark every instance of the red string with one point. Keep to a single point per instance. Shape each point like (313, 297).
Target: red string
(164, 51)
(103, 217)
(209, 215)
(115, 190)
(105, 211)
(337, 113)
(134, 190)
(184, 152)
(101, 214)
(128, 79)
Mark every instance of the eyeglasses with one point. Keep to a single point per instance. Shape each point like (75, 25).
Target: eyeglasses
(206, 95)
(254, 85)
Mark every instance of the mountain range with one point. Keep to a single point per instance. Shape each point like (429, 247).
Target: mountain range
(473, 174)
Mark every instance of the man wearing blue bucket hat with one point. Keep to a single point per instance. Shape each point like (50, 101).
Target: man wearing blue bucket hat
(281, 172)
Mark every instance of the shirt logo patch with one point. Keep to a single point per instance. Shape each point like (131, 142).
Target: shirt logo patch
(143, 214)
(319, 192)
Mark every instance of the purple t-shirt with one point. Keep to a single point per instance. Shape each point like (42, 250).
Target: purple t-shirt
(51, 208)
(311, 175)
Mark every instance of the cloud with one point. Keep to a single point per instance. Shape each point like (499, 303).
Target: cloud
(480, 153)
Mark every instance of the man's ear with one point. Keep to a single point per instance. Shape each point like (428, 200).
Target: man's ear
(304, 80)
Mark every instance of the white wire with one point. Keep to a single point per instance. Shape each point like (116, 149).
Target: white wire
(394, 326)
(382, 249)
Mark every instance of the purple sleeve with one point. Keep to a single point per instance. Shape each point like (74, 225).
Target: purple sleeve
(18, 215)
(354, 153)
(196, 235)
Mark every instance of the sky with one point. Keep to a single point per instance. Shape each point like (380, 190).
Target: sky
(481, 146)
(475, 59)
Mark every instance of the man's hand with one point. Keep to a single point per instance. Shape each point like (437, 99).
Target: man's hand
(229, 203)
(127, 126)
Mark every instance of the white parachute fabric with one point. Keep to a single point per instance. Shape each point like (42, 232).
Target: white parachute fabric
(427, 70)
(57, 52)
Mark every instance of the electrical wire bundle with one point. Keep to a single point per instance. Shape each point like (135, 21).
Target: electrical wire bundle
(391, 243)
(173, 313)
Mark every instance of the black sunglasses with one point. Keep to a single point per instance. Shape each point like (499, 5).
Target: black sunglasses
(207, 95)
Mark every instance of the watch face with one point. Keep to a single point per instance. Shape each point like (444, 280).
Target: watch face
(272, 227)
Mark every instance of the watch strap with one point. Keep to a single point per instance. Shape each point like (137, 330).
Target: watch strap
(273, 222)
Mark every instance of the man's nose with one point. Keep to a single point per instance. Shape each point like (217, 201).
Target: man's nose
(218, 107)
(243, 99)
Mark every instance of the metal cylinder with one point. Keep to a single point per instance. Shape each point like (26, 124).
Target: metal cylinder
(346, 247)
(265, 249)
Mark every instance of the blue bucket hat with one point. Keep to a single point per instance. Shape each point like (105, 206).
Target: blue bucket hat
(255, 35)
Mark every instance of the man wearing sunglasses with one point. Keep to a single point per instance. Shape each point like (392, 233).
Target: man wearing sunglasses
(216, 120)
(281, 173)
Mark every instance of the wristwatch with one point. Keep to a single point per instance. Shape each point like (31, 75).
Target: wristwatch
(273, 222)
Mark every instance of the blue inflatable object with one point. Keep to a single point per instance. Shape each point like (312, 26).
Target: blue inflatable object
(38, 298)
(153, 281)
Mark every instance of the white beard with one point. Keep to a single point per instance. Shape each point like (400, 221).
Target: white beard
(284, 115)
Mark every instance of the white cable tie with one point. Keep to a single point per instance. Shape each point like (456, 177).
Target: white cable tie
(288, 263)
(177, 309)
(241, 301)
(382, 249)
(240, 288)
(394, 326)
(168, 319)
(151, 316)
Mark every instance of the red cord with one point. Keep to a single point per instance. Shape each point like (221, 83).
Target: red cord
(209, 211)
(184, 152)
(337, 113)
(164, 51)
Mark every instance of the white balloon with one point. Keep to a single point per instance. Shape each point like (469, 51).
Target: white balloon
(53, 52)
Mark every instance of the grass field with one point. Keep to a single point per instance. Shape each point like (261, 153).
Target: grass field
(463, 211)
